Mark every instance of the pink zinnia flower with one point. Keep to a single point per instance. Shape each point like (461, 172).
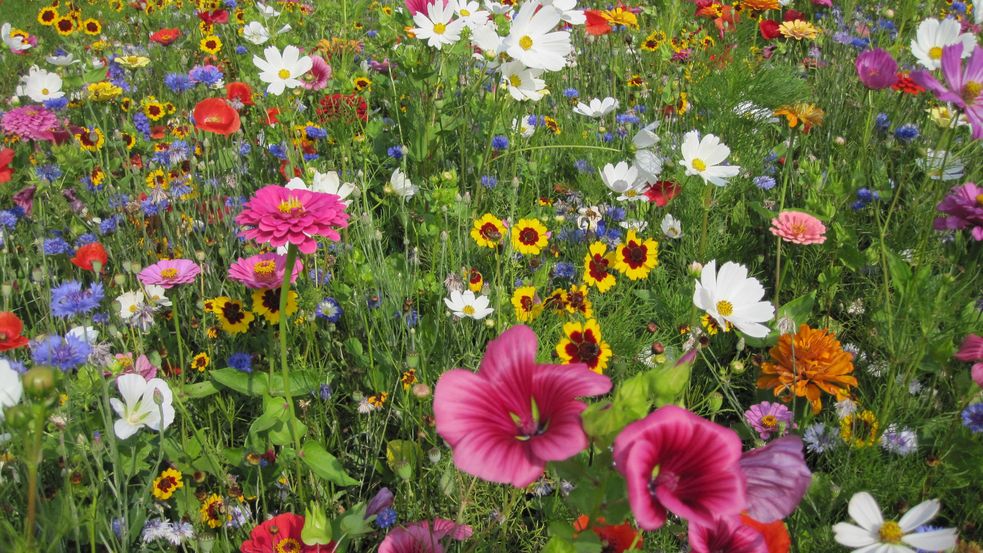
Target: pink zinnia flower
(777, 477)
(877, 69)
(971, 351)
(799, 228)
(965, 84)
(766, 418)
(263, 271)
(505, 422)
(170, 272)
(30, 123)
(725, 534)
(963, 208)
(673, 460)
(419, 537)
(279, 216)
(319, 75)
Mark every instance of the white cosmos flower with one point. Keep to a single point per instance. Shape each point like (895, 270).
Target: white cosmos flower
(466, 304)
(532, 40)
(130, 303)
(703, 157)
(523, 82)
(732, 297)
(437, 27)
(523, 126)
(619, 178)
(978, 12)
(401, 185)
(282, 70)
(255, 32)
(471, 13)
(155, 295)
(266, 11)
(648, 163)
(87, 334)
(40, 85)
(145, 403)
(875, 535)
(325, 183)
(942, 165)
(568, 10)
(485, 36)
(637, 225)
(597, 107)
(672, 227)
(498, 8)
(15, 43)
(11, 387)
(934, 35)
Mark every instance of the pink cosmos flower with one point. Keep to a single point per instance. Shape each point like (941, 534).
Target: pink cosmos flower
(30, 123)
(319, 75)
(505, 422)
(418, 6)
(877, 69)
(263, 271)
(971, 351)
(963, 208)
(673, 460)
(767, 418)
(170, 272)
(725, 534)
(142, 366)
(419, 537)
(965, 84)
(799, 228)
(277, 216)
(777, 478)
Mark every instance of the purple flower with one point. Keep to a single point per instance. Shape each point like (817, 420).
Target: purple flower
(768, 418)
(965, 84)
(877, 69)
(963, 208)
(777, 478)
(30, 123)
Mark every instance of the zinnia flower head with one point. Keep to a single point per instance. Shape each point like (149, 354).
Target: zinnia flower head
(768, 418)
(505, 422)
(675, 461)
(263, 271)
(281, 533)
(798, 228)
(278, 216)
(424, 536)
(877, 69)
(963, 208)
(819, 365)
(30, 123)
(170, 272)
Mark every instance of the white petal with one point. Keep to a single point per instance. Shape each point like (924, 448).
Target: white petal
(936, 540)
(919, 514)
(863, 509)
(852, 536)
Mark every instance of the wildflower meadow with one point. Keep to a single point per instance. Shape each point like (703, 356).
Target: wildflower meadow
(425, 276)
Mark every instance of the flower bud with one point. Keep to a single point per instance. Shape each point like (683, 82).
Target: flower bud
(40, 382)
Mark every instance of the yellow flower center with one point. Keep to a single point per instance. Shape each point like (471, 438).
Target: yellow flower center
(290, 206)
(439, 28)
(769, 421)
(515, 81)
(725, 308)
(525, 42)
(935, 53)
(264, 269)
(971, 90)
(133, 308)
(699, 164)
(283, 74)
(169, 273)
(468, 310)
(890, 532)
(979, 199)
(288, 545)
(465, 13)
(45, 91)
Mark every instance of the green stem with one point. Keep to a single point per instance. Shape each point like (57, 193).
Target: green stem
(284, 364)
(180, 342)
(34, 462)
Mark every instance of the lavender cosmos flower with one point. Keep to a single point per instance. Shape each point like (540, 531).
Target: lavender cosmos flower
(877, 69)
(777, 478)
(963, 208)
(965, 88)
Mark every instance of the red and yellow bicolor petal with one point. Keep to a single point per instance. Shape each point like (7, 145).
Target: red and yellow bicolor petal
(529, 236)
(584, 344)
(598, 264)
(636, 257)
(527, 305)
(488, 231)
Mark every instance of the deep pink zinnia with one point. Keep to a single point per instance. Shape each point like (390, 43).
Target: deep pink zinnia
(799, 228)
(419, 537)
(777, 477)
(725, 534)
(509, 419)
(169, 273)
(877, 69)
(963, 208)
(263, 271)
(278, 216)
(30, 123)
(971, 351)
(965, 88)
(319, 75)
(673, 460)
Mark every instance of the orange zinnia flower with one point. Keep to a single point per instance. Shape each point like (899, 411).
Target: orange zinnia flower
(818, 365)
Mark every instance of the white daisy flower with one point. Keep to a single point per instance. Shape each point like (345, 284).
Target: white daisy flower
(875, 535)
(619, 178)
(648, 163)
(597, 107)
(672, 227)
(130, 303)
(61, 59)
(703, 157)
(11, 387)
(40, 85)
(498, 8)
(732, 297)
(471, 13)
(523, 126)
(523, 82)
(466, 304)
(568, 11)
(532, 40)
(282, 70)
(437, 27)
(400, 185)
(934, 35)
(255, 32)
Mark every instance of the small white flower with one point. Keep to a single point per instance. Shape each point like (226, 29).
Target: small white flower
(620, 178)
(942, 165)
(672, 227)
(155, 295)
(934, 35)
(130, 303)
(523, 82)
(471, 13)
(597, 107)
(638, 225)
(87, 334)
(485, 36)
(266, 11)
(401, 185)
(282, 70)
(61, 60)
(325, 183)
(11, 387)
(523, 126)
(703, 157)
(255, 32)
(438, 27)
(874, 534)
(733, 297)
(498, 8)
(145, 403)
(466, 304)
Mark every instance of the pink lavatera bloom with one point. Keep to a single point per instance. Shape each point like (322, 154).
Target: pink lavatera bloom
(777, 478)
(725, 534)
(675, 461)
(509, 419)
(971, 351)
(424, 537)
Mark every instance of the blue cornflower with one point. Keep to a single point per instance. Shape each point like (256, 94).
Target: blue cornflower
(607, 137)
(180, 190)
(241, 361)
(820, 439)
(178, 82)
(311, 157)
(583, 166)
(764, 182)
(882, 123)
(616, 214)
(245, 148)
(101, 317)
(906, 133)
(627, 119)
(386, 518)
(395, 152)
(84, 239)
(207, 75)
(958, 7)
(65, 353)
(900, 441)
(973, 417)
(412, 318)
(142, 124)
(564, 270)
(108, 226)
(49, 172)
(279, 151)
(329, 310)
(319, 277)
(70, 298)
(316, 133)
(859, 43)
(372, 33)
(373, 301)
(150, 208)
(8, 219)
(241, 49)
(55, 246)
(571, 93)
(325, 392)
(118, 201)
(489, 181)
(56, 104)
(500, 142)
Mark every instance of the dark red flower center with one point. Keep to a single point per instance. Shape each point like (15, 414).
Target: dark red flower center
(233, 312)
(598, 267)
(490, 232)
(635, 254)
(528, 236)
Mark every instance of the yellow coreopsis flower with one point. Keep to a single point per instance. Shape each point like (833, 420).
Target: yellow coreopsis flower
(488, 231)
(636, 257)
(598, 264)
(527, 305)
(583, 344)
(529, 236)
(166, 484)
(267, 304)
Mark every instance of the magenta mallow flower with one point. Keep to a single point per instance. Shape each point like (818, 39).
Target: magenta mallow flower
(768, 418)
(278, 216)
(169, 273)
(263, 271)
(725, 534)
(30, 123)
(676, 461)
(319, 75)
(505, 422)
(877, 69)
(798, 228)
(963, 209)
(777, 478)
(971, 351)
(424, 537)
(965, 85)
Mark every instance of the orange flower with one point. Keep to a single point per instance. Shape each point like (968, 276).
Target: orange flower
(819, 365)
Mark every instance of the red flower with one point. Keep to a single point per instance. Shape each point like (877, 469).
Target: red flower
(6, 171)
(217, 116)
(769, 29)
(596, 25)
(10, 331)
(89, 254)
(215, 16)
(241, 92)
(281, 534)
(774, 533)
(792, 15)
(615, 538)
(166, 37)
(343, 106)
(271, 116)
(904, 84)
(660, 192)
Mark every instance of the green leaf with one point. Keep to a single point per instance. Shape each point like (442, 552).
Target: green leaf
(559, 545)
(199, 390)
(251, 384)
(325, 465)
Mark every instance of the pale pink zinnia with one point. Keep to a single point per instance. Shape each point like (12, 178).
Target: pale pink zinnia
(263, 271)
(319, 75)
(169, 273)
(798, 228)
(278, 216)
(30, 123)
(675, 461)
(423, 537)
(512, 417)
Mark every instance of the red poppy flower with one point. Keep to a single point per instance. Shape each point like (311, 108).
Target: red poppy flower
(775, 534)
(615, 538)
(769, 29)
(240, 92)
(596, 25)
(214, 17)
(660, 192)
(166, 37)
(11, 328)
(272, 116)
(343, 106)
(6, 171)
(217, 116)
(89, 254)
(281, 533)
